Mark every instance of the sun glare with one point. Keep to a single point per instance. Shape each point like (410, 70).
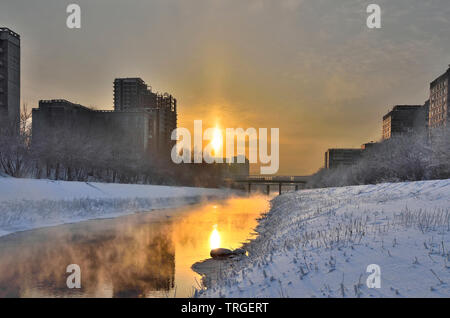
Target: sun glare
(217, 140)
(214, 238)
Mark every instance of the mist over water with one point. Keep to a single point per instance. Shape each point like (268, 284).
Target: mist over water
(140, 255)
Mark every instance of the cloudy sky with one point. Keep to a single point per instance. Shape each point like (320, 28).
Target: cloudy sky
(310, 67)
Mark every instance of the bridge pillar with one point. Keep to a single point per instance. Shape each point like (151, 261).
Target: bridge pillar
(279, 188)
(268, 189)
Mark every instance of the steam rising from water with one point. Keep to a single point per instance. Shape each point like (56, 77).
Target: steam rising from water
(141, 255)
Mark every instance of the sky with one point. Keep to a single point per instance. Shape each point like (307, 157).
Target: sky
(309, 67)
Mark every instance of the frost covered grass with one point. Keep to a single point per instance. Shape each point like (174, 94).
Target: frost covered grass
(318, 243)
(31, 203)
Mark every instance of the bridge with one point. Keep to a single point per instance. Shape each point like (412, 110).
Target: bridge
(269, 180)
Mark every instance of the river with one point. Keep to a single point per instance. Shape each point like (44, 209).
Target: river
(140, 255)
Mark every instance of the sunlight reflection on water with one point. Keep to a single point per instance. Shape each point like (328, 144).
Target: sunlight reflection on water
(141, 255)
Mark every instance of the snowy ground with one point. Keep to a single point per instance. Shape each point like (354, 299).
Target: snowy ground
(31, 203)
(318, 243)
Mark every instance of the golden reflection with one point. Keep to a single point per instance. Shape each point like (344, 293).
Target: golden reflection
(141, 255)
(214, 239)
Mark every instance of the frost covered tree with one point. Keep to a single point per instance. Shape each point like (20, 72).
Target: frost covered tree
(14, 147)
(407, 157)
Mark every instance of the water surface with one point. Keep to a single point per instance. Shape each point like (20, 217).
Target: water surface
(140, 255)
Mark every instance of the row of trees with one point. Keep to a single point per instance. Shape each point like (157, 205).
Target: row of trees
(408, 157)
(14, 145)
(70, 153)
(75, 155)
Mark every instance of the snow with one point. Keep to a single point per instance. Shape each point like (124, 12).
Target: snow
(33, 203)
(318, 243)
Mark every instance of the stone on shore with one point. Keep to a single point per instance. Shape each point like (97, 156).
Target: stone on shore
(221, 253)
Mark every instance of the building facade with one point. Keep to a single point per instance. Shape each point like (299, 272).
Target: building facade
(130, 93)
(167, 116)
(140, 124)
(336, 157)
(439, 95)
(131, 133)
(9, 79)
(133, 94)
(403, 119)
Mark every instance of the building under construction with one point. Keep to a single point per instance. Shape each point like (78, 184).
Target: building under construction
(140, 125)
(134, 94)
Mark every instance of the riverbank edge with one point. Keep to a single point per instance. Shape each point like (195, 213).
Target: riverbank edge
(211, 269)
(27, 204)
(382, 201)
(136, 205)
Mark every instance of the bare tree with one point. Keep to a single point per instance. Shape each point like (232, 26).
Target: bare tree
(14, 147)
(408, 157)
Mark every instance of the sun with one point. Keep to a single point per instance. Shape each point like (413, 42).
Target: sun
(217, 141)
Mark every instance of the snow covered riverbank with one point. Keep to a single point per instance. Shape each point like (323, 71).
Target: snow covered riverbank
(31, 203)
(319, 243)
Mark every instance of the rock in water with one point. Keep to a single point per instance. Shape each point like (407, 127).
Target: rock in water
(221, 253)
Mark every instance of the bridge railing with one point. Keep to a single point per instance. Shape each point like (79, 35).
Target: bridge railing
(275, 179)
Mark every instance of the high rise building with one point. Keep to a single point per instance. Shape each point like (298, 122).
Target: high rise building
(341, 157)
(9, 78)
(167, 115)
(439, 95)
(141, 123)
(132, 132)
(402, 119)
(132, 93)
